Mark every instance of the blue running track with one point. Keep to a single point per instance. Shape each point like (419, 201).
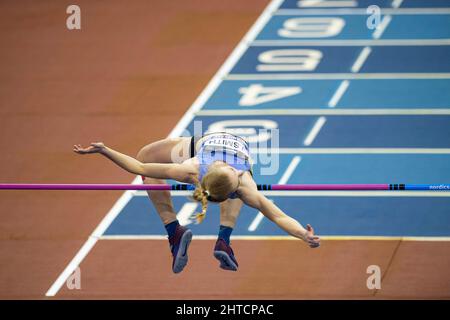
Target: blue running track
(352, 105)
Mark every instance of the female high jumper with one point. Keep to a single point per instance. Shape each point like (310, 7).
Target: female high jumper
(219, 165)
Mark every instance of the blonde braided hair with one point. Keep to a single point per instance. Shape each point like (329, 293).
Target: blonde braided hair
(201, 195)
(215, 186)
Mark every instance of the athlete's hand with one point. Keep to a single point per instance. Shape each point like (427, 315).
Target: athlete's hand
(312, 240)
(93, 148)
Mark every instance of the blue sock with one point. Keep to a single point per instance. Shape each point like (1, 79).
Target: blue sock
(225, 233)
(171, 228)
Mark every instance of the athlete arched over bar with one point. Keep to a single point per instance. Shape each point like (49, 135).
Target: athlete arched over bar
(219, 165)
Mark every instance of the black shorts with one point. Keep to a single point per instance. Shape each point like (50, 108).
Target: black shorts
(192, 150)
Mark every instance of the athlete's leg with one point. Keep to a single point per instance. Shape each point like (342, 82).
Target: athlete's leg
(229, 212)
(164, 151)
(169, 151)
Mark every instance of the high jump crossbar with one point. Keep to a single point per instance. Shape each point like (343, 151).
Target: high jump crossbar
(278, 187)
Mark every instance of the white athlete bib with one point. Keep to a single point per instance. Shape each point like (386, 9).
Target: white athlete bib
(225, 142)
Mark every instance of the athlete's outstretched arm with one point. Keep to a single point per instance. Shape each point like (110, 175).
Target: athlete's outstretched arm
(179, 172)
(255, 199)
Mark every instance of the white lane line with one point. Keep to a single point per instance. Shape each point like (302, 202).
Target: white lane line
(225, 68)
(284, 179)
(338, 76)
(366, 194)
(360, 11)
(396, 3)
(320, 193)
(338, 94)
(352, 151)
(256, 221)
(290, 170)
(314, 131)
(307, 4)
(361, 59)
(352, 42)
(379, 30)
(289, 238)
(177, 131)
(89, 244)
(330, 112)
(186, 212)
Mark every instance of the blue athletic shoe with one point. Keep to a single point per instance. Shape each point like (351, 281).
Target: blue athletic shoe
(224, 253)
(179, 244)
